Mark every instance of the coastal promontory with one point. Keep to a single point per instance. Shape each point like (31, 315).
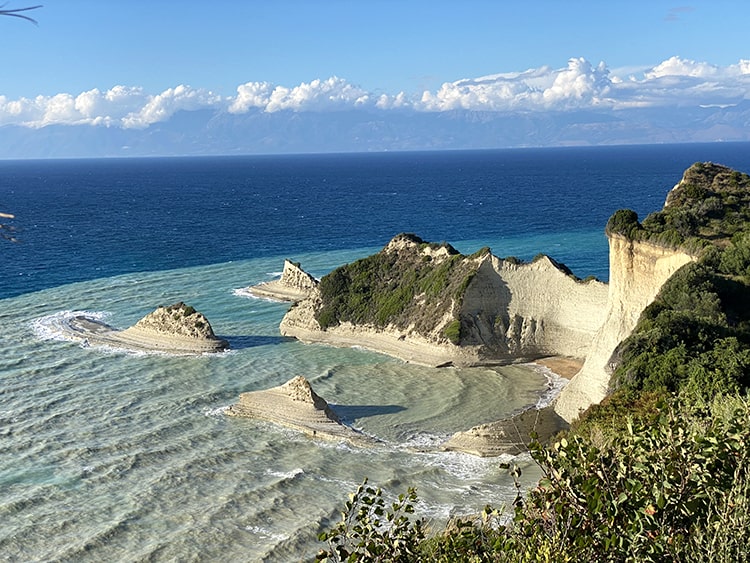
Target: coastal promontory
(429, 304)
(426, 303)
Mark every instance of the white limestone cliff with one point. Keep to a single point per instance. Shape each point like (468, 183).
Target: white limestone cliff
(519, 311)
(637, 272)
(509, 311)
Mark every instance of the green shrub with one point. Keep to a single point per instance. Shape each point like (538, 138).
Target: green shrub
(370, 530)
(398, 289)
(674, 486)
(623, 222)
(452, 332)
(644, 497)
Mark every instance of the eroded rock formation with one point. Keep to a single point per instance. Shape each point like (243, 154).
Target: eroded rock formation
(177, 329)
(294, 404)
(294, 285)
(430, 305)
(637, 272)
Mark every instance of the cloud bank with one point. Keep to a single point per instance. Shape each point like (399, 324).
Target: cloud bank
(676, 82)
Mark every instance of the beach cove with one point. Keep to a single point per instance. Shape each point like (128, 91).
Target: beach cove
(117, 452)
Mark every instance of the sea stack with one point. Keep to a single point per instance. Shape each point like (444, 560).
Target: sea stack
(178, 328)
(294, 285)
(295, 405)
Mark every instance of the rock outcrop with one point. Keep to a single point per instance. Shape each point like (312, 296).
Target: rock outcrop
(428, 304)
(294, 285)
(637, 272)
(509, 436)
(178, 329)
(295, 405)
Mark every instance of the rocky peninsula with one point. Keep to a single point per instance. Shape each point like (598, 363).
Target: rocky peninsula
(176, 329)
(428, 304)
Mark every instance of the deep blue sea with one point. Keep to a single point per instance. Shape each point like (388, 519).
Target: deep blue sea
(111, 455)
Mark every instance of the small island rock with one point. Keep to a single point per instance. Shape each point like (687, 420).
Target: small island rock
(295, 405)
(178, 329)
(294, 285)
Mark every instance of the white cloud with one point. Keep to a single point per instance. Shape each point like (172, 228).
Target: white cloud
(251, 95)
(675, 66)
(120, 106)
(579, 85)
(318, 95)
(165, 105)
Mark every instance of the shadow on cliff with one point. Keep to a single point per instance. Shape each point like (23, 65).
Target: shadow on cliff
(243, 342)
(353, 412)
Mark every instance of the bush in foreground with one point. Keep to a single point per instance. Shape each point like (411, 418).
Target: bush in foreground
(674, 489)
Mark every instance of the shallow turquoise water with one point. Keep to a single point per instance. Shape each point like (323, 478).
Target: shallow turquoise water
(110, 455)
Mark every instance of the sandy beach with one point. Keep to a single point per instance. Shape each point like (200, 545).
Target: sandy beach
(561, 365)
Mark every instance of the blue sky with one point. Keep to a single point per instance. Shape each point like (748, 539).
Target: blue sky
(134, 62)
(379, 45)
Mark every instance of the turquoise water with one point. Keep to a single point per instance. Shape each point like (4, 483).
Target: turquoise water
(107, 455)
(111, 455)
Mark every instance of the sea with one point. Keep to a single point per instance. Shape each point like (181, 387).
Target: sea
(112, 455)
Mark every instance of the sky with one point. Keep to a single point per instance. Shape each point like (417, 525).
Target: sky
(131, 63)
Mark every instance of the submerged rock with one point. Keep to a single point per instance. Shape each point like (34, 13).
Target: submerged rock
(508, 436)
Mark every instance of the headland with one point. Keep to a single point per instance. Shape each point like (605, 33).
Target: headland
(428, 304)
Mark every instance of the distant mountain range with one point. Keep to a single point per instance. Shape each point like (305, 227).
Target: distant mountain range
(212, 132)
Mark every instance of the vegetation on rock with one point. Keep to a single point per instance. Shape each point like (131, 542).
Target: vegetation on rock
(407, 284)
(660, 470)
(673, 488)
(711, 204)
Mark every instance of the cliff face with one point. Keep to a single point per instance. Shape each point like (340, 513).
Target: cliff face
(461, 310)
(527, 310)
(638, 270)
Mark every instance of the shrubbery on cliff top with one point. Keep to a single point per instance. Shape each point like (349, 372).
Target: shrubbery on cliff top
(694, 337)
(674, 488)
(399, 289)
(711, 204)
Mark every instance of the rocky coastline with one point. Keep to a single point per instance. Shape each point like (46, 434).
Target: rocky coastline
(491, 311)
